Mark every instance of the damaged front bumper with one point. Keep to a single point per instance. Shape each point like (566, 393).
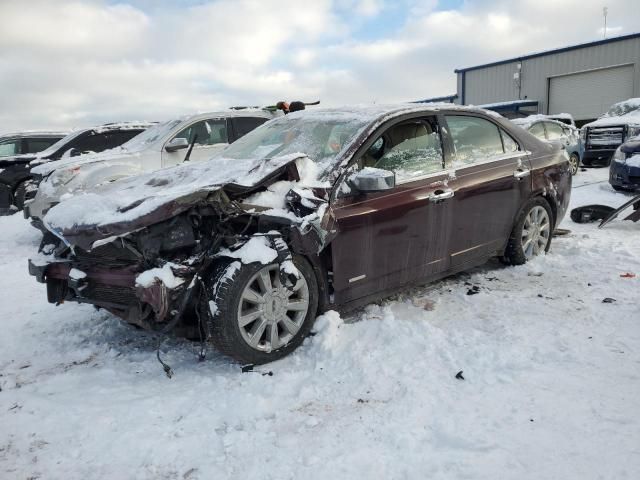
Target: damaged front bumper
(113, 289)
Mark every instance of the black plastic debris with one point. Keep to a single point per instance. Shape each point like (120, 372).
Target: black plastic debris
(608, 300)
(473, 290)
(249, 369)
(459, 375)
(590, 213)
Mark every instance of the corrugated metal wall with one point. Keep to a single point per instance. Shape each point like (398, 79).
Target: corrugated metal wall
(496, 83)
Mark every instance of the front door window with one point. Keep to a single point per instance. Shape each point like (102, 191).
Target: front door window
(410, 149)
(205, 132)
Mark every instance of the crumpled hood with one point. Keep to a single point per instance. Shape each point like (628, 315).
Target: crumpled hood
(136, 202)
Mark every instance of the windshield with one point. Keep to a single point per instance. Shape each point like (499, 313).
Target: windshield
(60, 143)
(320, 137)
(149, 136)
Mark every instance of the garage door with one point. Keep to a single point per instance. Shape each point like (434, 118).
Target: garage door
(588, 95)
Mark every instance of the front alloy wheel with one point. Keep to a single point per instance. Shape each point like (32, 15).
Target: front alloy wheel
(270, 314)
(255, 317)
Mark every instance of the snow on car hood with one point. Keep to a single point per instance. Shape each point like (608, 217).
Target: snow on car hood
(622, 113)
(135, 202)
(118, 153)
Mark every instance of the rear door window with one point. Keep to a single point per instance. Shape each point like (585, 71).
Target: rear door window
(35, 145)
(474, 139)
(537, 130)
(206, 132)
(411, 149)
(554, 131)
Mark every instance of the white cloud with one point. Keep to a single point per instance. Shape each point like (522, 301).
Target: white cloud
(67, 63)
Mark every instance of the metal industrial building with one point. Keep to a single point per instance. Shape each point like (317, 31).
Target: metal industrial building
(583, 80)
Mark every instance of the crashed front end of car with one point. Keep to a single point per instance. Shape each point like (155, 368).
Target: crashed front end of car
(147, 272)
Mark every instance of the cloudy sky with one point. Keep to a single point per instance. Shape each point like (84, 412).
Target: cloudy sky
(67, 63)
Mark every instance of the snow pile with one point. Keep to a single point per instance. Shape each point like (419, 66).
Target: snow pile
(257, 249)
(76, 274)
(275, 195)
(163, 274)
(633, 161)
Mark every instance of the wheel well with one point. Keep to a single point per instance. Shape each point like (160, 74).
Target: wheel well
(553, 205)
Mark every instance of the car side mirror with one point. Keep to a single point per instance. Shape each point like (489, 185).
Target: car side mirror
(178, 143)
(371, 179)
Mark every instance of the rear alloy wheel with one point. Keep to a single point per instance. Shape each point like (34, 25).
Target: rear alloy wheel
(574, 163)
(531, 234)
(255, 318)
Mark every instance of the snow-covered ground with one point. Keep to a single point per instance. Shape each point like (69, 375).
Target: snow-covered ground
(551, 379)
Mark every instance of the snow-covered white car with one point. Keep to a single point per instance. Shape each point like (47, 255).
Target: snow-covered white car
(549, 128)
(194, 138)
(603, 136)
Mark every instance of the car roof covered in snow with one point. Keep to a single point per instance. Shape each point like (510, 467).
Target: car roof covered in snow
(34, 133)
(621, 113)
(526, 122)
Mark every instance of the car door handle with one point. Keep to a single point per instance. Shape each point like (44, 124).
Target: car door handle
(439, 195)
(521, 173)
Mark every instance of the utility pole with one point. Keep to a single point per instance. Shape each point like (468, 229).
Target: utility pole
(604, 12)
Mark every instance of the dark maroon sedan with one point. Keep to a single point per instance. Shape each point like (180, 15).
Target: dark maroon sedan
(318, 210)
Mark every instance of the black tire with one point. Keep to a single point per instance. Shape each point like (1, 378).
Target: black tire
(619, 189)
(20, 194)
(574, 163)
(514, 254)
(224, 288)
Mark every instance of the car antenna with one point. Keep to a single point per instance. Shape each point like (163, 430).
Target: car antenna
(193, 142)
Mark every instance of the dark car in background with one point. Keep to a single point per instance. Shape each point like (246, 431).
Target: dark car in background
(312, 211)
(624, 171)
(15, 171)
(22, 143)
